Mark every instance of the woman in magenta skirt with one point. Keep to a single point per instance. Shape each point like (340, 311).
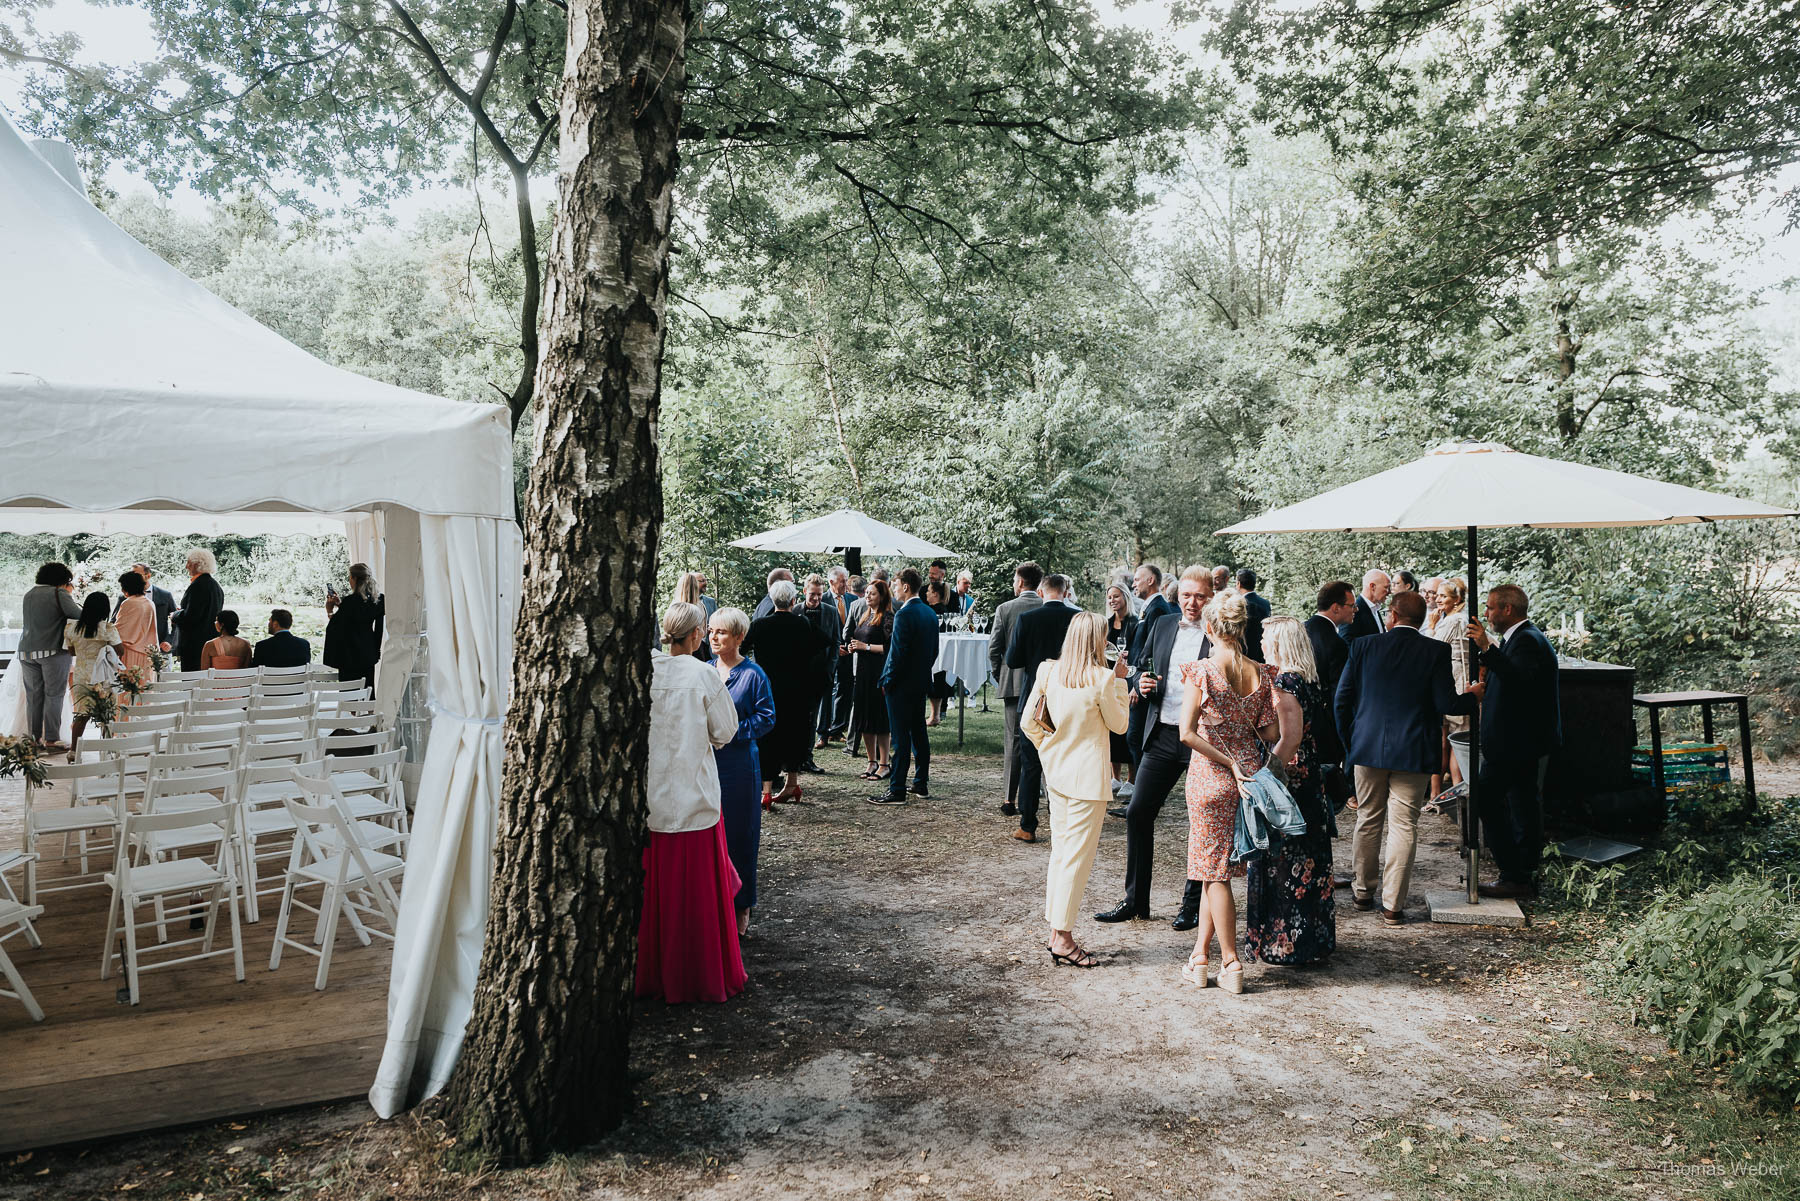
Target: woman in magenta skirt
(687, 937)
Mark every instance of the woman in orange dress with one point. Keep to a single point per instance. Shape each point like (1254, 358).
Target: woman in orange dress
(136, 622)
(1230, 706)
(226, 652)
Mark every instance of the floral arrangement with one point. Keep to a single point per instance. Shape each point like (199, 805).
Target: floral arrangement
(134, 682)
(159, 659)
(22, 756)
(98, 705)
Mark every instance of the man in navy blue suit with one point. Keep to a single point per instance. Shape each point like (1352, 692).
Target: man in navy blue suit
(1391, 701)
(1036, 636)
(905, 679)
(1521, 724)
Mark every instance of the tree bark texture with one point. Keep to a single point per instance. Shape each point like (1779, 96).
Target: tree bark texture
(544, 1063)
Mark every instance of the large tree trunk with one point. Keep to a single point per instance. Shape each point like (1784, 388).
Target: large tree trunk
(544, 1065)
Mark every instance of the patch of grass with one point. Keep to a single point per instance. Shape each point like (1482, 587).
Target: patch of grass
(1631, 1125)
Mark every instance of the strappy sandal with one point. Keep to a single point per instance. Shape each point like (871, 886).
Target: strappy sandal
(1231, 977)
(1194, 972)
(1079, 957)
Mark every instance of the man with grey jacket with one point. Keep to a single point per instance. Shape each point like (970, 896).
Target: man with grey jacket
(44, 662)
(1008, 681)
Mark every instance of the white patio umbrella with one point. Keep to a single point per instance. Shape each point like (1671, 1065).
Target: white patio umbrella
(1483, 485)
(846, 532)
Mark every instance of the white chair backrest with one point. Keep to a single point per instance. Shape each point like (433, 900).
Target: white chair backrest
(132, 744)
(323, 810)
(166, 792)
(346, 690)
(265, 695)
(257, 730)
(217, 736)
(149, 723)
(322, 673)
(273, 674)
(204, 761)
(290, 751)
(246, 674)
(216, 813)
(376, 765)
(283, 711)
(357, 744)
(171, 688)
(183, 676)
(273, 771)
(202, 706)
(92, 782)
(223, 692)
(153, 704)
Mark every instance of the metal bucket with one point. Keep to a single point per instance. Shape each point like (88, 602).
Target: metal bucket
(1459, 746)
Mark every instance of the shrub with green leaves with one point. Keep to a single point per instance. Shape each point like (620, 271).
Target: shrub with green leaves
(1716, 972)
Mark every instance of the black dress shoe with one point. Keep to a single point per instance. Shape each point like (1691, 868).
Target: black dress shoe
(813, 768)
(1187, 919)
(919, 789)
(1119, 812)
(888, 798)
(1363, 903)
(1008, 809)
(1124, 911)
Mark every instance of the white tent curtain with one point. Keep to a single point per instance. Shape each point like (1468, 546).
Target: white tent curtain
(444, 907)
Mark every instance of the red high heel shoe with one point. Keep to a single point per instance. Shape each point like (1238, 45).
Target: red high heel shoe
(792, 793)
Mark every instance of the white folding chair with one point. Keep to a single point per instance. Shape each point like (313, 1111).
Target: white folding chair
(16, 918)
(96, 806)
(233, 674)
(191, 792)
(11, 861)
(206, 737)
(298, 729)
(145, 723)
(278, 696)
(278, 674)
(187, 887)
(200, 761)
(344, 869)
(321, 674)
(303, 710)
(371, 779)
(265, 785)
(182, 677)
(167, 689)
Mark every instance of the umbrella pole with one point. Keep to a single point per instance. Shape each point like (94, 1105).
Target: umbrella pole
(1471, 835)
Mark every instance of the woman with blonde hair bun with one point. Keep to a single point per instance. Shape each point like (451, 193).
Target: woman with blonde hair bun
(1083, 704)
(1227, 717)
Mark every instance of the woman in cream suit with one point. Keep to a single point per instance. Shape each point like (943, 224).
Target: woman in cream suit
(1086, 704)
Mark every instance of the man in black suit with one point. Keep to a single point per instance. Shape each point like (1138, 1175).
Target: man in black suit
(905, 679)
(200, 607)
(1026, 578)
(1335, 606)
(1147, 583)
(765, 606)
(1368, 617)
(824, 618)
(1175, 640)
(282, 648)
(1521, 725)
(1391, 703)
(1259, 610)
(834, 712)
(1037, 635)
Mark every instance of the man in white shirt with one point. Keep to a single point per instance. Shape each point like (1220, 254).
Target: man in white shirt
(1176, 640)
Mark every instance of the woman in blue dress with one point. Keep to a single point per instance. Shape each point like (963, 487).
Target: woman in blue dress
(740, 770)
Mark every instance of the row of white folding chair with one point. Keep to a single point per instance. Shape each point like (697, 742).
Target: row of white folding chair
(307, 672)
(97, 794)
(354, 878)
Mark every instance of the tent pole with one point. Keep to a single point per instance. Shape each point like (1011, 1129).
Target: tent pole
(1471, 827)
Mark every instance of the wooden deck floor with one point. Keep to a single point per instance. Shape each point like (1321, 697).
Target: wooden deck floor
(199, 1046)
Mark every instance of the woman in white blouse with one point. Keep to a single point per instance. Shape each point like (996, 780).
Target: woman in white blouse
(1453, 627)
(687, 937)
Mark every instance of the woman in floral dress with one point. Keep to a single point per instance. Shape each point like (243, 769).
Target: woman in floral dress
(1289, 915)
(1226, 720)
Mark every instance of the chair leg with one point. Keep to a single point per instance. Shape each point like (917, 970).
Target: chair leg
(162, 925)
(112, 932)
(237, 933)
(31, 869)
(356, 926)
(251, 912)
(333, 899)
(212, 918)
(81, 844)
(17, 983)
(129, 914)
(281, 923)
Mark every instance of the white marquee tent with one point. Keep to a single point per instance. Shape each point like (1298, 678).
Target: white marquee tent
(132, 399)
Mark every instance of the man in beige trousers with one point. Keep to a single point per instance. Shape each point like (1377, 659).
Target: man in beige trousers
(1391, 701)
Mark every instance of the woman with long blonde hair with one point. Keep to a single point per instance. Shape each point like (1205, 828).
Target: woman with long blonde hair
(1083, 703)
(1227, 716)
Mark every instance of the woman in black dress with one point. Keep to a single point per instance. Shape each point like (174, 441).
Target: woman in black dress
(937, 596)
(1290, 918)
(353, 628)
(869, 643)
(1121, 628)
(791, 652)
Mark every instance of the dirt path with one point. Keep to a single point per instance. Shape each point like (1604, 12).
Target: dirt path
(905, 1036)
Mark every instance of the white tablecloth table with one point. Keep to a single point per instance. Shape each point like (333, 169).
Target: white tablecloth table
(963, 658)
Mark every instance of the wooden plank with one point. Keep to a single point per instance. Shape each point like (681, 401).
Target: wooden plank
(51, 1114)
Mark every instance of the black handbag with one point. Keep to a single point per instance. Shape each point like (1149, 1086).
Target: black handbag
(1336, 785)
